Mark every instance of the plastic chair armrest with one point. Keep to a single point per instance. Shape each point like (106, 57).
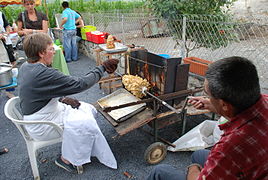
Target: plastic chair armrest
(56, 126)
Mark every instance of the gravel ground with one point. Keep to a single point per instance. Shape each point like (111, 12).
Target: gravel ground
(128, 149)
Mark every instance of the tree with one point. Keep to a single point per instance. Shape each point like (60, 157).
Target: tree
(205, 21)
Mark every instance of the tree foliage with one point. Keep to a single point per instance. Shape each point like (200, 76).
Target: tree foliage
(167, 8)
(82, 6)
(206, 21)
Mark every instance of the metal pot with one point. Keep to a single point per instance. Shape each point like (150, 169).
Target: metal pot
(5, 74)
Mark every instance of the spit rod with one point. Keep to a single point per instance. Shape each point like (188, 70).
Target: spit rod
(144, 91)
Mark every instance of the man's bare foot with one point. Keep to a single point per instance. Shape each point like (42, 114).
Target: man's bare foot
(65, 160)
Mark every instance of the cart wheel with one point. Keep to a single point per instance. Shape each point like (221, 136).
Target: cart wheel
(155, 153)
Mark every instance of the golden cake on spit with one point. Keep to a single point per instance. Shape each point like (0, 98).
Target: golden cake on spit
(134, 84)
(110, 42)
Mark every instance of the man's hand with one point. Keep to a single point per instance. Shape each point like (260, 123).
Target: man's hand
(198, 102)
(25, 32)
(201, 102)
(193, 171)
(21, 33)
(29, 31)
(63, 21)
(110, 65)
(70, 101)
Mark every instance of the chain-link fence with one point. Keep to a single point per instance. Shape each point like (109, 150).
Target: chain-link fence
(203, 36)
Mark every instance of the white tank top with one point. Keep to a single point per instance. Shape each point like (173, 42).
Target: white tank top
(2, 29)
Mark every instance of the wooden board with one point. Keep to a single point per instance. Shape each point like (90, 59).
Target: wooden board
(145, 117)
(135, 122)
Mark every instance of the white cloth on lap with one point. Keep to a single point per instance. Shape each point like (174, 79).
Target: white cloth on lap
(82, 137)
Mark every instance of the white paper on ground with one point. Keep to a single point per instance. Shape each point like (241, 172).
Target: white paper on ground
(202, 136)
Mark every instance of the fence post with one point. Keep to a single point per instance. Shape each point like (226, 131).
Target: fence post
(92, 20)
(123, 30)
(247, 4)
(117, 14)
(183, 49)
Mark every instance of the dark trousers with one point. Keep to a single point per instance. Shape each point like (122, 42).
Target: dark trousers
(167, 172)
(10, 51)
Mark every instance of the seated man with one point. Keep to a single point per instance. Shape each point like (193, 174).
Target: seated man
(40, 88)
(233, 90)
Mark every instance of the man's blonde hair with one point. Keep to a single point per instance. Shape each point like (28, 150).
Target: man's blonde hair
(34, 44)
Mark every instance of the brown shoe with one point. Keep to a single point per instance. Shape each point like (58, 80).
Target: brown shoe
(3, 151)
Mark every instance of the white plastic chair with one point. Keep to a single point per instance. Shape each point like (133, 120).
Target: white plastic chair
(12, 112)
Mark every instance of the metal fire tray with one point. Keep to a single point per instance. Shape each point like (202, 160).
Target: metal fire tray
(118, 48)
(119, 97)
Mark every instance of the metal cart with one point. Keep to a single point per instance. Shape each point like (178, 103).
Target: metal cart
(157, 151)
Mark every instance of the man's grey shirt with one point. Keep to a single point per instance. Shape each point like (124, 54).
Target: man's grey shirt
(38, 84)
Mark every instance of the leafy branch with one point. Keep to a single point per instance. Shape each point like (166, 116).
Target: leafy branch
(202, 30)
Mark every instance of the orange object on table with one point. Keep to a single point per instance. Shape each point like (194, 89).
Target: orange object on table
(110, 42)
(197, 65)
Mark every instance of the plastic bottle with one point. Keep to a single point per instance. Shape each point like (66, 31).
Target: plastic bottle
(14, 26)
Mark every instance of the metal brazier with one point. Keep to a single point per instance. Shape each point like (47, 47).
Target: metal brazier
(5, 74)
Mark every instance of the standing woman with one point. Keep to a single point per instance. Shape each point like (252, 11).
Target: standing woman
(79, 23)
(31, 21)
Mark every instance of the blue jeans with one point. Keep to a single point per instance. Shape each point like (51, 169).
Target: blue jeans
(78, 39)
(200, 156)
(167, 172)
(70, 45)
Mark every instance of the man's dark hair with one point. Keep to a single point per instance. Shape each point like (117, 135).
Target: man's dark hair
(234, 80)
(65, 4)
